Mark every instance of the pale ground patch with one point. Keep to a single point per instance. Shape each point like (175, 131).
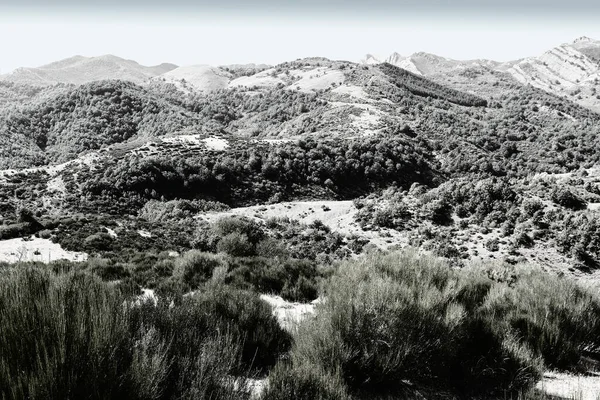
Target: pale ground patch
(202, 78)
(353, 91)
(111, 232)
(89, 159)
(566, 386)
(339, 216)
(262, 79)
(147, 295)
(182, 139)
(36, 249)
(211, 143)
(362, 106)
(215, 143)
(317, 79)
(56, 184)
(367, 122)
(288, 314)
(548, 110)
(594, 206)
(592, 173)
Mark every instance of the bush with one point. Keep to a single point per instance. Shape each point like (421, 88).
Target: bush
(110, 272)
(524, 240)
(492, 245)
(294, 280)
(96, 242)
(556, 318)
(241, 225)
(236, 244)
(564, 197)
(62, 337)
(195, 268)
(246, 316)
(70, 336)
(304, 382)
(393, 323)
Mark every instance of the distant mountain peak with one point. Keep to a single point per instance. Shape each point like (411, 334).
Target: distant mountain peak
(80, 69)
(585, 39)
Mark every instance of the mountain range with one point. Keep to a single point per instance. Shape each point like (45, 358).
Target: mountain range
(465, 159)
(79, 70)
(56, 112)
(570, 70)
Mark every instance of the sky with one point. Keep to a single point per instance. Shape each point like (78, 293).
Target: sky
(187, 32)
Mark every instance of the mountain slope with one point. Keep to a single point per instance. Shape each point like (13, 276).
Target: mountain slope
(479, 108)
(203, 78)
(571, 70)
(79, 70)
(63, 122)
(454, 162)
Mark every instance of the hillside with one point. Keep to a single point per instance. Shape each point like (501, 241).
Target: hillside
(570, 70)
(311, 129)
(65, 121)
(201, 78)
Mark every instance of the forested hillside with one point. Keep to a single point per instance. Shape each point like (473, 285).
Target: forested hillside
(408, 150)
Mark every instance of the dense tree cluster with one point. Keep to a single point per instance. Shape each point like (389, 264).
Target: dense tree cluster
(263, 172)
(70, 120)
(423, 87)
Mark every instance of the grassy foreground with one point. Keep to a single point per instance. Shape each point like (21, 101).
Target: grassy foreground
(71, 336)
(395, 325)
(398, 325)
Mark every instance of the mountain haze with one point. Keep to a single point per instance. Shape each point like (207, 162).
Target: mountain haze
(570, 70)
(79, 70)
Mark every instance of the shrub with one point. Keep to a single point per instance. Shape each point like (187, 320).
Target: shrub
(61, 337)
(71, 336)
(392, 323)
(556, 318)
(246, 316)
(241, 225)
(439, 212)
(304, 382)
(294, 280)
(236, 244)
(110, 271)
(98, 242)
(566, 198)
(195, 268)
(492, 245)
(524, 240)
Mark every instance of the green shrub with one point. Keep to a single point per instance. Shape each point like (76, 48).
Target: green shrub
(304, 382)
(294, 280)
(236, 244)
(111, 272)
(246, 316)
(63, 337)
(566, 198)
(394, 321)
(242, 225)
(557, 319)
(70, 336)
(195, 268)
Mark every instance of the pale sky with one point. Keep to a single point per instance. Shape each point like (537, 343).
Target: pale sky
(185, 32)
